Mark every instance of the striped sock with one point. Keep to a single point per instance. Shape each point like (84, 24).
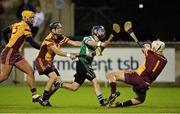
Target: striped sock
(100, 98)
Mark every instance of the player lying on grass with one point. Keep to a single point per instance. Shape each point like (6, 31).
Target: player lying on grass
(83, 65)
(11, 55)
(142, 77)
(44, 61)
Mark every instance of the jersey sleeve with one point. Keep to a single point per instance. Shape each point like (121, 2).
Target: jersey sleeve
(66, 39)
(87, 39)
(33, 43)
(48, 42)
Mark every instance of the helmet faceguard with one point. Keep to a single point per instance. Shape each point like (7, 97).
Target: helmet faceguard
(157, 45)
(98, 31)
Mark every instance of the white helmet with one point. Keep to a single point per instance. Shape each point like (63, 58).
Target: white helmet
(157, 45)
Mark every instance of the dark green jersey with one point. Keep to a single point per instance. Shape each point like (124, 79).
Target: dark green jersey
(87, 50)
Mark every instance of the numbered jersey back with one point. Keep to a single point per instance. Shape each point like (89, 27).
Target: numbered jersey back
(20, 31)
(152, 67)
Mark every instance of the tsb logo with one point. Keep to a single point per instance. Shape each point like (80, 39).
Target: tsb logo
(128, 64)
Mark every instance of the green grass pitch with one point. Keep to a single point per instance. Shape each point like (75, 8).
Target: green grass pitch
(17, 99)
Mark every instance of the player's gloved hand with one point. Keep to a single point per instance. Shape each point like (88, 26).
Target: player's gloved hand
(146, 47)
(105, 44)
(72, 56)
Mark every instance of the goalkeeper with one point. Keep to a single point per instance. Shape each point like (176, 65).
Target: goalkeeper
(140, 79)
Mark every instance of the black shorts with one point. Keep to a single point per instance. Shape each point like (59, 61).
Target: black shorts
(45, 67)
(83, 71)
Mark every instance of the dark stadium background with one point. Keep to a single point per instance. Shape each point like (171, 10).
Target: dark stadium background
(157, 19)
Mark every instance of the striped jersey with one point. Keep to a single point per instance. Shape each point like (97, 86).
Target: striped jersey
(20, 31)
(152, 67)
(45, 52)
(87, 50)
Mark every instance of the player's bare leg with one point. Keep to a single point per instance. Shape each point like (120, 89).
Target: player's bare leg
(96, 85)
(5, 72)
(56, 85)
(24, 66)
(112, 78)
(44, 101)
(49, 84)
(71, 86)
(120, 77)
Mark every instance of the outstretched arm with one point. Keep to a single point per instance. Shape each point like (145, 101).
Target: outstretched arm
(55, 49)
(102, 44)
(74, 43)
(33, 43)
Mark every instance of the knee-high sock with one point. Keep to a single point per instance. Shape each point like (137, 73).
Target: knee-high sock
(126, 103)
(113, 87)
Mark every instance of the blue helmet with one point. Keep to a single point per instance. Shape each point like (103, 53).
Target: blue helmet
(96, 28)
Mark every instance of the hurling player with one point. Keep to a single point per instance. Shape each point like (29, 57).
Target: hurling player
(11, 55)
(50, 47)
(142, 78)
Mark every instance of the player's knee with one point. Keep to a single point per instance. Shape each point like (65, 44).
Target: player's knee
(30, 71)
(109, 75)
(53, 78)
(96, 81)
(74, 88)
(4, 77)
